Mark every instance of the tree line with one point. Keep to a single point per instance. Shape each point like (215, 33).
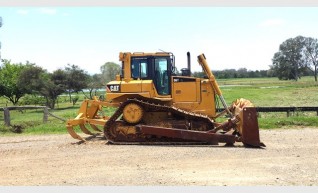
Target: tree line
(244, 73)
(233, 73)
(18, 80)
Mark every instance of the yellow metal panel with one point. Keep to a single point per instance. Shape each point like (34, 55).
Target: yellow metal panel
(184, 91)
(125, 58)
(207, 98)
(198, 89)
(147, 86)
(131, 86)
(206, 104)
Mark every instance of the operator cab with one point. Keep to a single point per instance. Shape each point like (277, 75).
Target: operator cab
(153, 66)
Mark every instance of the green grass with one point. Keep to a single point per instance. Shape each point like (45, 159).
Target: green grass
(289, 122)
(31, 121)
(271, 92)
(280, 120)
(261, 91)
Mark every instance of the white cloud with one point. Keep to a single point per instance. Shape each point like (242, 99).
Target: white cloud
(272, 23)
(48, 11)
(23, 12)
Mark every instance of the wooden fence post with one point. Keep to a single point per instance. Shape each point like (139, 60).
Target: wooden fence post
(6, 113)
(45, 114)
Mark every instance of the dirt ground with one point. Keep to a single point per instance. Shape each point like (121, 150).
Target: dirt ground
(290, 158)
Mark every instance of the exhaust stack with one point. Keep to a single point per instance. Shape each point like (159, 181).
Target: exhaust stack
(187, 71)
(189, 62)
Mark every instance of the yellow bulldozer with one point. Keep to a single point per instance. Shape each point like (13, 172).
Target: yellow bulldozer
(157, 106)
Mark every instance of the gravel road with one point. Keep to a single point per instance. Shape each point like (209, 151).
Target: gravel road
(290, 158)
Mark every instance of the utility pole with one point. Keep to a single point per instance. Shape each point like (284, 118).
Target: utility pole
(0, 41)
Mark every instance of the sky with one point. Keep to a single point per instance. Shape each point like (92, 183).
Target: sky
(230, 37)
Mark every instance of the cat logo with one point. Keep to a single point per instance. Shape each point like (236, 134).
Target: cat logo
(113, 88)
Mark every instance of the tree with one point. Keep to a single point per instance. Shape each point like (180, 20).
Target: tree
(9, 74)
(109, 71)
(38, 81)
(198, 74)
(294, 56)
(280, 67)
(311, 53)
(55, 85)
(242, 73)
(94, 83)
(31, 79)
(77, 79)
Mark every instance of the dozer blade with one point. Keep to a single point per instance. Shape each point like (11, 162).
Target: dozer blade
(71, 131)
(249, 129)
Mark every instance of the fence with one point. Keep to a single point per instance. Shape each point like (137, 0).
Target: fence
(288, 110)
(46, 113)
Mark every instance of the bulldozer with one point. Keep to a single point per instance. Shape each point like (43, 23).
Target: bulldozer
(155, 104)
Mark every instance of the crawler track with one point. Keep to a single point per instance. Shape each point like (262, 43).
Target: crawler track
(115, 137)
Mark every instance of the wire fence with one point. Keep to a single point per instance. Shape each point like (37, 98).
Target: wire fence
(46, 113)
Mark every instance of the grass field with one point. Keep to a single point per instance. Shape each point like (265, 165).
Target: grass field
(261, 91)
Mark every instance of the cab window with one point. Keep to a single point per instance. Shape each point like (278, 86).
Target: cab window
(139, 68)
(161, 76)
